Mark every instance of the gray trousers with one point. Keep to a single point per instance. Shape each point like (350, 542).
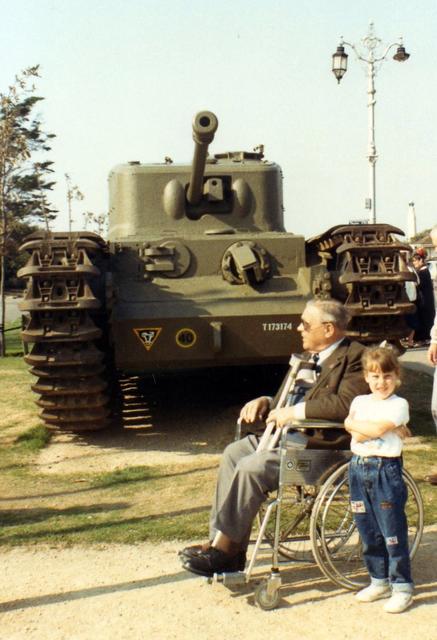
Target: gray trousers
(245, 477)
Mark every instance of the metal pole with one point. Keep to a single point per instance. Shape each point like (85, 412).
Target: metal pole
(371, 43)
(372, 146)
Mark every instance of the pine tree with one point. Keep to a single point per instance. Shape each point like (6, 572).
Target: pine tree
(24, 177)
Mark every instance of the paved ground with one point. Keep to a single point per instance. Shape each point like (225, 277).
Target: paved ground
(417, 359)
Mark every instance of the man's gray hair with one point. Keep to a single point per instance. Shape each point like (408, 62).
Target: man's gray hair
(331, 311)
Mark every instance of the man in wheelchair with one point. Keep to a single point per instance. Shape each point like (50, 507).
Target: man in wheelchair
(246, 474)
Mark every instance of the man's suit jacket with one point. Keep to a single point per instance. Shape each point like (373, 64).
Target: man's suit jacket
(340, 380)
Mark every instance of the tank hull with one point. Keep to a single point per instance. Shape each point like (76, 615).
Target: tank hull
(195, 316)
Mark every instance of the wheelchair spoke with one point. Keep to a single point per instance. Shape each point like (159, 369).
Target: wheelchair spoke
(338, 546)
(294, 542)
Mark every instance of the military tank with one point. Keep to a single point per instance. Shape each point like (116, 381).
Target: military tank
(198, 271)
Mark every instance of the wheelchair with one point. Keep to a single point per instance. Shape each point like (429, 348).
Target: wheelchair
(310, 520)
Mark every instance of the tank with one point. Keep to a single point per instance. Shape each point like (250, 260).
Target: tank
(198, 271)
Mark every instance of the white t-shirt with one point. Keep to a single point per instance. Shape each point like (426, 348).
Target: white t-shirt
(393, 409)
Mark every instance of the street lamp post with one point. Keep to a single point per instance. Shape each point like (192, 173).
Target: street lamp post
(339, 68)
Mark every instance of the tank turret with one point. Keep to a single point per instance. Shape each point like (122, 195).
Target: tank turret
(218, 193)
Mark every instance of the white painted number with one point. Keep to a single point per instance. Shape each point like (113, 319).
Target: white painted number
(277, 326)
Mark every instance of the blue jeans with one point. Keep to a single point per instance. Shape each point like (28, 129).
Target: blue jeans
(378, 496)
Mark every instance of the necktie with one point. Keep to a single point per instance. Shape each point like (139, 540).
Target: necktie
(315, 359)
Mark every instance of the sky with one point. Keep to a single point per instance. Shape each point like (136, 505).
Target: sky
(122, 81)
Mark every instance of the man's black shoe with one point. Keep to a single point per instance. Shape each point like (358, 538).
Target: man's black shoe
(193, 550)
(213, 561)
(196, 550)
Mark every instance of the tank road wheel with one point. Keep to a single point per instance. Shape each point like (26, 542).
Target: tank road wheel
(65, 324)
(364, 266)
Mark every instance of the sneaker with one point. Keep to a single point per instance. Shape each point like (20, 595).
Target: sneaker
(399, 601)
(373, 592)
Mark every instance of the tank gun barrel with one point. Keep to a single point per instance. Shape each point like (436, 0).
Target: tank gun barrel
(205, 125)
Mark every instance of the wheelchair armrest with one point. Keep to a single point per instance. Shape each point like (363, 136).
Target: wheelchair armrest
(244, 428)
(341, 442)
(315, 423)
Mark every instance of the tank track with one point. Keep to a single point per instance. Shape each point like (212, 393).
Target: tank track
(365, 267)
(65, 323)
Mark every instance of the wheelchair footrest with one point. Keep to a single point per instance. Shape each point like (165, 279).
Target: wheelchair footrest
(231, 578)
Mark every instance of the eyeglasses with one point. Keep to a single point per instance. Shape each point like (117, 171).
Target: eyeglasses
(308, 327)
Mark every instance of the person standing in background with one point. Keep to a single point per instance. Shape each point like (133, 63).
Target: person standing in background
(425, 300)
(432, 357)
(411, 318)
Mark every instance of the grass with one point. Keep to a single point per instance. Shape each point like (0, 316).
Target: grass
(135, 503)
(126, 477)
(34, 439)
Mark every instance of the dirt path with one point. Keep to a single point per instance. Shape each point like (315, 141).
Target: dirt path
(140, 592)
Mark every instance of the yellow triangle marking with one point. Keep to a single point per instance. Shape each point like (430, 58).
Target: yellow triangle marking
(148, 336)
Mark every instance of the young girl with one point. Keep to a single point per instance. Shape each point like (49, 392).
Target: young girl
(377, 424)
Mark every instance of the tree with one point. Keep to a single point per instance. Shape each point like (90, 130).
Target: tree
(73, 193)
(423, 236)
(24, 180)
(14, 258)
(100, 222)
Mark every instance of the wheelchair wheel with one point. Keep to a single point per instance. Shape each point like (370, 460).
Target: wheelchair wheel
(266, 598)
(335, 540)
(294, 540)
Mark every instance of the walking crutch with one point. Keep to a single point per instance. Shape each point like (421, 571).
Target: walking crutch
(269, 439)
